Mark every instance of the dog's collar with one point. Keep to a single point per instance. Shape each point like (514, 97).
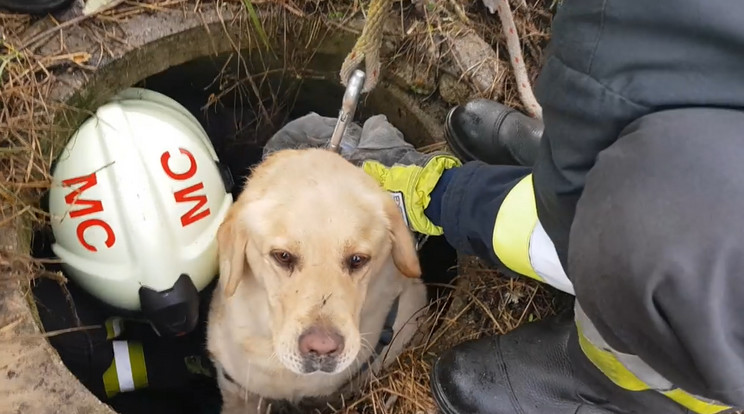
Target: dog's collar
(386, 337)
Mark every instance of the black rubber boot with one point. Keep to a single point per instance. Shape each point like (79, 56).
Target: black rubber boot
(537, 368)
(34, 6)
(488, 131)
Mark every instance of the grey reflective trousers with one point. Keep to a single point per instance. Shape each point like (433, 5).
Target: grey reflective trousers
(640, 180)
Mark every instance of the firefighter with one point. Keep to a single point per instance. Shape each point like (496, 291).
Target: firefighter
(629, 196)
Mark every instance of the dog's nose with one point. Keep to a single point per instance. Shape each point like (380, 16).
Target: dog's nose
(321, 341)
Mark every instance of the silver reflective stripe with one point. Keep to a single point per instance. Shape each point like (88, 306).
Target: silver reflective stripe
(545, 262)
(116, 323)
(123, 366)
(632, 363)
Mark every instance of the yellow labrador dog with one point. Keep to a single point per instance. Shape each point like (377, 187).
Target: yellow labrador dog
(313, 257)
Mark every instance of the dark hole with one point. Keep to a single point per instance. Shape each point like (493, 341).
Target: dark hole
(178, 370)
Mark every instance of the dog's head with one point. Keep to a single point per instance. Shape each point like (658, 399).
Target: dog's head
(313, 230)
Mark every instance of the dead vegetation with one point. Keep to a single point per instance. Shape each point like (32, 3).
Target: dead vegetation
(426, 37)
(482, 303)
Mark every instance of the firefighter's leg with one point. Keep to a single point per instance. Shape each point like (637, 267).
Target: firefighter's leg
(656, 260)
(660, 280)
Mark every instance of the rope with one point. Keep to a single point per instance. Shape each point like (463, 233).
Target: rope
(515, 56)
(367, 46)
(367, 49)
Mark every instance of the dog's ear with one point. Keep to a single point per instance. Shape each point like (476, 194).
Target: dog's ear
(232, 239)
(404, 252)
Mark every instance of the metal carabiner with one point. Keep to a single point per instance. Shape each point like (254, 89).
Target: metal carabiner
(348, 109)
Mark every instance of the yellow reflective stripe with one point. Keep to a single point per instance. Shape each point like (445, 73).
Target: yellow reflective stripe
(111, 380)
(606, 362)
(415, 184)
(609, 365)
(515, 221)
(694, 404)
(137, 361)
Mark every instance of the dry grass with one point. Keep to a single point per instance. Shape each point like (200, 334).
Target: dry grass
(430, 39)
(483, 302)
(26, 78)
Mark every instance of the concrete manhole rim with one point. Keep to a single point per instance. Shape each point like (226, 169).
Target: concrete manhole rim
(33, 379)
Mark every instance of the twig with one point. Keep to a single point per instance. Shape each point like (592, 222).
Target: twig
(390, 402)
(459, 11)
(12, 217)
(51, 334)
(10, 325)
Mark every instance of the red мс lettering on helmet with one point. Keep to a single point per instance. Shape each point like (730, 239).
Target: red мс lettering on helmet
(179, 176)
(185, 194)
(90, 207)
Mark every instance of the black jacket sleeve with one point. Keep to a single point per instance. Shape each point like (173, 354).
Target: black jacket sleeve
(470, 202)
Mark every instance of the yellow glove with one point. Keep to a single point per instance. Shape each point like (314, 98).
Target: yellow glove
(411, 187)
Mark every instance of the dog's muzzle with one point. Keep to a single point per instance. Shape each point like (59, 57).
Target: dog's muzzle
(320, 348)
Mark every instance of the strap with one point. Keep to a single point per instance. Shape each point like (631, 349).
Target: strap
(387, 334)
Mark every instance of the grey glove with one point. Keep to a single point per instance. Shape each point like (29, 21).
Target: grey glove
(380, 150)
(377, 140)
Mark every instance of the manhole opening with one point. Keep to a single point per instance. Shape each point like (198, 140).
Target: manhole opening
(238, 124)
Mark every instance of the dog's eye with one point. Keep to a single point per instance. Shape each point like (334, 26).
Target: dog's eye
(356, 261)
(283, 258)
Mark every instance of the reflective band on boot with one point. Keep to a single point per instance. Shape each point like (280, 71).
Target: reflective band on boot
(520, 242)
(127, 371)
(630, 372)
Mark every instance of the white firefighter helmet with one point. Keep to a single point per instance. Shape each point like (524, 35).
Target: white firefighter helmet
(138, 194)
